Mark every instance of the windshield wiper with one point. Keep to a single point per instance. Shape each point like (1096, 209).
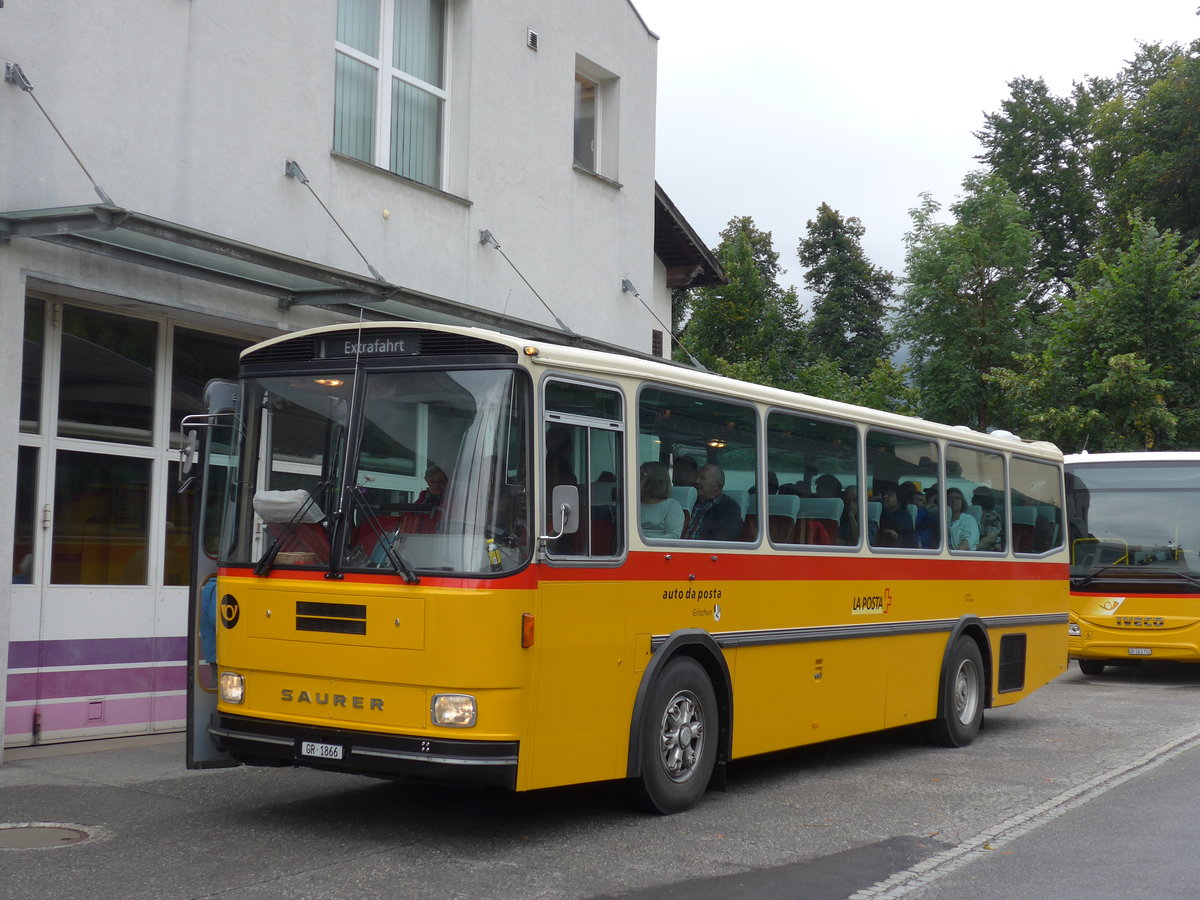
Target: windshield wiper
(1081, 583)
(267, 560)
(384, 540)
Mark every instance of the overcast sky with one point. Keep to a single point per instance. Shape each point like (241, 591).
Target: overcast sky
(767, 108)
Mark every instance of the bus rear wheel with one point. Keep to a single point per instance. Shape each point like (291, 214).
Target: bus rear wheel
(1091, 666)
(678, 737)
(962, 697)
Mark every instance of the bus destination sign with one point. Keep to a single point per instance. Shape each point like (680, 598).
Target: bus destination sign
(354, 345)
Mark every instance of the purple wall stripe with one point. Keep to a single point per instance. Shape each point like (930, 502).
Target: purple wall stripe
(95, 683)
(98, 651)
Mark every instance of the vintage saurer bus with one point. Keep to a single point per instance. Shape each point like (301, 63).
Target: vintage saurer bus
(1134, 538)
(450, 554)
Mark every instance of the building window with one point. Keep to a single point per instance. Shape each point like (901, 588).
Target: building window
(585, 122)
(390, 97)
(595, 119)
(31, 365)
(107, 377)
(656, 342)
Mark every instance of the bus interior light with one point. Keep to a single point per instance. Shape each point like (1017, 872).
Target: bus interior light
(453, 710)
(233, 687)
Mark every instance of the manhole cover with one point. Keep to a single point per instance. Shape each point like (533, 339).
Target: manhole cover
(40, 835)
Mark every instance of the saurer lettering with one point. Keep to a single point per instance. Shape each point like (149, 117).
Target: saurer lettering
(324, 698)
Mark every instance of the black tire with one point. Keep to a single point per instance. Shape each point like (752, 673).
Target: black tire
(1091, 666)
(961, 699)
(678, 738)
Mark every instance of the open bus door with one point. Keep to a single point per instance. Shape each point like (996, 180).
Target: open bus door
(206, 465)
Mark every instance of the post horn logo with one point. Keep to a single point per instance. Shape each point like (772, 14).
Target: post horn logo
(230, 611)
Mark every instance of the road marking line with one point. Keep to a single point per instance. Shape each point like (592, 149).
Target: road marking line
(925, 872)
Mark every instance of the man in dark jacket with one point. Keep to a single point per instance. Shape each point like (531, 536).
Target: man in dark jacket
(715, 517)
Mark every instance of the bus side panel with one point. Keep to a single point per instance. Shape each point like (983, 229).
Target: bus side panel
(580, 721)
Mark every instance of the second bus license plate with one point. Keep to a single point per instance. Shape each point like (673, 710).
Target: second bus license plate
(1139, 651)
(321, 751)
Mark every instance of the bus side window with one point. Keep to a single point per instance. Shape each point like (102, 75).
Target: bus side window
(980, 486)
(816, 464)
(899, 467)
(1034, 495)
(710, 445)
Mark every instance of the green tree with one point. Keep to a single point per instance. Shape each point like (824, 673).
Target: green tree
(1146, 153)
(850, 296)
(751, 326)
(1118, 368)
(964, 310)
(1039, 144)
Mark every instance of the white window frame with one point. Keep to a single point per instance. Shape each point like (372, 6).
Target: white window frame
(385, 73)
(604, 156)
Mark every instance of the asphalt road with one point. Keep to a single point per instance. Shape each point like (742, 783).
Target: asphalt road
(1086, 789)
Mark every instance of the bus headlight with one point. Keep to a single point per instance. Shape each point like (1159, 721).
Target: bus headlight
(453, 710)
(232, 687)
(1073, 630)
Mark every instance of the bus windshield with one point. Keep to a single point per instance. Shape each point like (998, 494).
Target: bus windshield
(1134, 527)
(406, 472)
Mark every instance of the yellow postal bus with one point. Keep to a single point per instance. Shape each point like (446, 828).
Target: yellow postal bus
(1135, 558)
(453, 554)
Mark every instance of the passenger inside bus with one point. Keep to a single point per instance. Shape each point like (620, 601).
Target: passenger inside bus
(716, 516)
(895, 522)
(660, 514)
(925, 526)
(964, 530)
(991, 523)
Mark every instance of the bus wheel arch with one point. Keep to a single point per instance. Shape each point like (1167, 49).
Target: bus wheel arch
(687, 667)
(964, 685)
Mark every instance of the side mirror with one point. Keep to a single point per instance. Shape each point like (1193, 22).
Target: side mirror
(564, 506)
(187, 453)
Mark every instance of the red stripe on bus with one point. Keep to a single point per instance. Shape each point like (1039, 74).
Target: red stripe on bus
(723, 566)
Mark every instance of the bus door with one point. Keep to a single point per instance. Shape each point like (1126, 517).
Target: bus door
(206, 462)
(581, 626)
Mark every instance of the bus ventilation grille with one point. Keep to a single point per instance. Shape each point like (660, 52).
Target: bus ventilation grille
(1012, 663)
(298, 350)
(334, 618)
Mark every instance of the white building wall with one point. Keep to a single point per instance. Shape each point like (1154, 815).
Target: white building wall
(187, 111)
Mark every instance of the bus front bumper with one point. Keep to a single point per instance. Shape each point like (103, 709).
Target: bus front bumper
(261, 742)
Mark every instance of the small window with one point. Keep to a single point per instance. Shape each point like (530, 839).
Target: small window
(812, 481)
(31, 365)
(974, 500)
(595, 119)
(586, 92)
(902, 509)
(584, 441)
(25, 523)
(1037, 520)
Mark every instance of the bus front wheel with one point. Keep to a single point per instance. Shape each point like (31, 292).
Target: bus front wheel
(679, 738)
(962, 697)
(1091, 666)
